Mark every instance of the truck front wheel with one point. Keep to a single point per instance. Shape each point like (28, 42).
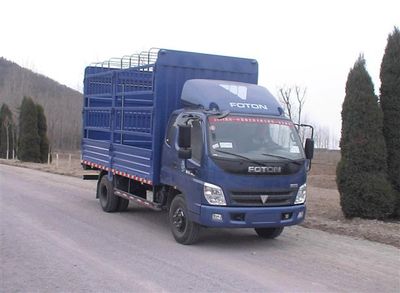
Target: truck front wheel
(184, 231)
(105, 191)
(269, 233)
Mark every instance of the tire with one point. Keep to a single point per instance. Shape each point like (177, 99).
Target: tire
(105, 191)
(122, 205)
(184, 231)
(269, 233)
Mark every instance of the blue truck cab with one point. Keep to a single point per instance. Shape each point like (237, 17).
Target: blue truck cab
(193, 134)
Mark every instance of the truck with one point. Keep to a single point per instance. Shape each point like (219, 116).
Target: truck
(193, 134)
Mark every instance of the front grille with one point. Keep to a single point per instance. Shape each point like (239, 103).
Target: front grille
(272, 199)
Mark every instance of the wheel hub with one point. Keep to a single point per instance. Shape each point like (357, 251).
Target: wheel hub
(179, 219)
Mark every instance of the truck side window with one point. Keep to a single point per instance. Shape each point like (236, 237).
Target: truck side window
(197, 141)
(171, 130)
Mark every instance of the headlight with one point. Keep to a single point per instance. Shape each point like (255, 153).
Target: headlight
(301, 194)
(214, 194)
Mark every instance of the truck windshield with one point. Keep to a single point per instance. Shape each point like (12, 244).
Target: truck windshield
(256, 138)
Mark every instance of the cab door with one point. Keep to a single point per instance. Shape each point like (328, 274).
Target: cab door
(186, 175)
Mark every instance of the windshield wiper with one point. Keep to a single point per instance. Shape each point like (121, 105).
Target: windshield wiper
(223, 114)
(240, 156)
(283, 158)
(218, 114)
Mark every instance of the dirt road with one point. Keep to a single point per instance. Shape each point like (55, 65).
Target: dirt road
(54, 237)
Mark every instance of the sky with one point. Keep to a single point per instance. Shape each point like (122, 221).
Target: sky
(312, 44)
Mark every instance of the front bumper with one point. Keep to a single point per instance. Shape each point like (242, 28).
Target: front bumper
(251, 217)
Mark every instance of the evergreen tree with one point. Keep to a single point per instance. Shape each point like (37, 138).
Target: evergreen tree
(7, 132)
(390, 102)
(29, 140)
(3, 136)
(42, 131)
(361, 173)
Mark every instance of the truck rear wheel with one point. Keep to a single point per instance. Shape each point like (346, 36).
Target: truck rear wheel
(123, 204)
(269, 233)
(184, 231)
(105, 191)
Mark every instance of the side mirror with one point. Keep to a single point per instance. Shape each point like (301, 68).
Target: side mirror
(309, 148)
(184, 142)
(184, 133)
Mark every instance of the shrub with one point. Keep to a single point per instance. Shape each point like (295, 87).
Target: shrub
(361, 173)
(29, 140)
(390, 101)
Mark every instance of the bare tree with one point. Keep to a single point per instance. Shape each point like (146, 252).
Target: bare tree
(293, 99)
(325, 137)
(62, 106)
(301, 99)
(293, 105)
(7, 126)
(322, 137)
(285, 99)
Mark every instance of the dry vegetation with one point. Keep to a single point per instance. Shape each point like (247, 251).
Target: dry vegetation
(324, 211)
(62, 105)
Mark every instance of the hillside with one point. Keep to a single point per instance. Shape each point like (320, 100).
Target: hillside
(62, 105)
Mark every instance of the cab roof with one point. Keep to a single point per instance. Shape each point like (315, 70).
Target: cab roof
(236, 97)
